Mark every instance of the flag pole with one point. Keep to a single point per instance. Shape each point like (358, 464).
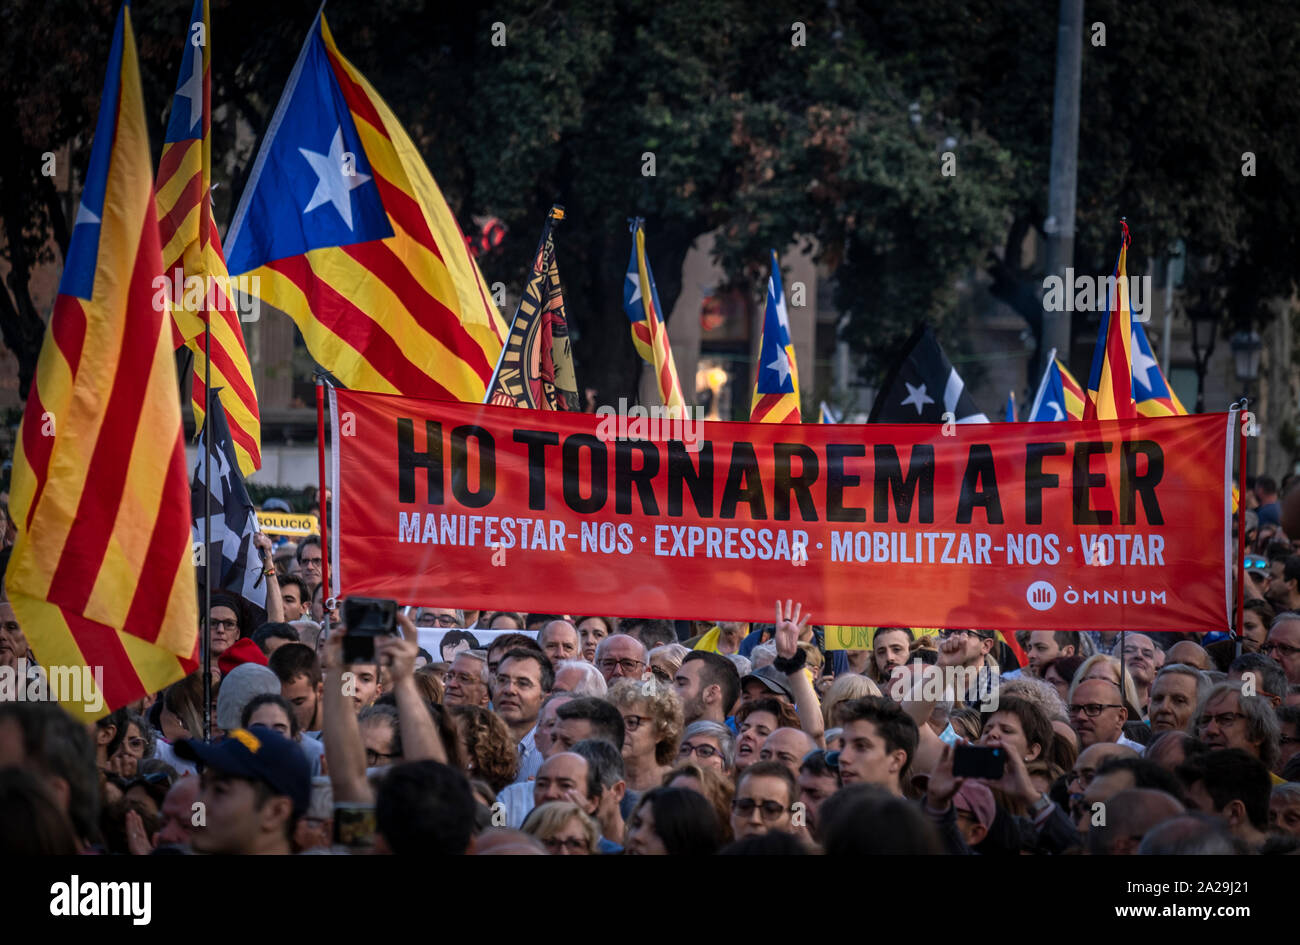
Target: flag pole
(320, 496)
(207, 525)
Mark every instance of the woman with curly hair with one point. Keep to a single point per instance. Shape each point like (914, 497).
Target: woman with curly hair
(486, 749)
(652, 719)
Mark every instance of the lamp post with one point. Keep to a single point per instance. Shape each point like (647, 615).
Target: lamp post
(1246, 346)
(1204, 319)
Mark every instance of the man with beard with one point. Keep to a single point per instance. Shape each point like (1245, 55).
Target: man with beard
(890, 647)
(708, 685)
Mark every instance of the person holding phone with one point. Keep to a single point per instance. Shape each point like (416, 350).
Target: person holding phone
(1050, 825)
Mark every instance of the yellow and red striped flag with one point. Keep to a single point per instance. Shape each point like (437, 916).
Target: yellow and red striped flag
(1110, 383)
(1075, 398)
(649, 332)
(192, 257)
(776, 385)
(102, 574)
(348, 233)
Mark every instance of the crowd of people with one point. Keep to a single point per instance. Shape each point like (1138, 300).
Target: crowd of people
(586, 734)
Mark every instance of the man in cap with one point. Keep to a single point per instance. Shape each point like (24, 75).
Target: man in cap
(255, 785)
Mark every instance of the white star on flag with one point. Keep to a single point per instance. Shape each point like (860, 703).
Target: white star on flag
(333, 183)
(917, 397)
(84, 215)
(635, 279)
(1142, 365)
(193, 89)
(781, 365)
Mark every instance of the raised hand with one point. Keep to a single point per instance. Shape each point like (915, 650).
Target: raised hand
(789, 627)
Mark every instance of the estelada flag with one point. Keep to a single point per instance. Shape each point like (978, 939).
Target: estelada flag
(1059, 395)
(192, 250)
(1110, 382)
(535, 369)
(776, 382)
(1151, 391)
(922, 386)
(349, 234)
(649, 332)
(102, 574)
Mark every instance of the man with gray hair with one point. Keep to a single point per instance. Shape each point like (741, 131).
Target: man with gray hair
(580, 678)
(1265, 677)
(605, 763)
(1175, 694)
(1189, 834)
(1227, 718)
(1283, 643)
(466, 680)
(559, 641)
(710, 745)
(1130, 815)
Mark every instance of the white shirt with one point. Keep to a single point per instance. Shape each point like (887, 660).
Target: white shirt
(1129, 743)
(517, 800)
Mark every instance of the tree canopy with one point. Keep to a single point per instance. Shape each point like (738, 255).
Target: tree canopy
(767, 124)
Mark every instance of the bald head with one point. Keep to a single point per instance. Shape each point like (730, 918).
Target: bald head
(788, 746)
(504, 842)
(619, 656)
(1130, 815)
(1190, 833)
(1189, 654)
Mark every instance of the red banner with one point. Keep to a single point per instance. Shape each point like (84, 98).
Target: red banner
(1083, 526)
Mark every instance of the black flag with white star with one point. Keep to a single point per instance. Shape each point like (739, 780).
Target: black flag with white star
(235, 559)
(923, 386)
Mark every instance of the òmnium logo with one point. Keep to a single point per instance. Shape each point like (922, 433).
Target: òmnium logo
(1041, 595)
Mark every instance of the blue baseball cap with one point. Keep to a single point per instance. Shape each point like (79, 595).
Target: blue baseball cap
(259, 754)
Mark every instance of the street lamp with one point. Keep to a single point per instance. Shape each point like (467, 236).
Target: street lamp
(1246, 346)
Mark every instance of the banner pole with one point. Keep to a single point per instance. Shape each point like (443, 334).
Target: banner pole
(207, 526)
(1241, 527)
(320, 494)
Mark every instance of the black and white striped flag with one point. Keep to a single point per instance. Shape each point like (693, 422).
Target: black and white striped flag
(923, 386)
(234, 521)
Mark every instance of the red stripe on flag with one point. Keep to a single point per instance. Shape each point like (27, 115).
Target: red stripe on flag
(237, 431)
(172, 157)
(168, 544)
(185, 203)
(68, 331)
(357, 328)
(356, 97)
(770, 404)
(427, 309)
(83, 551)
(100, 646)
